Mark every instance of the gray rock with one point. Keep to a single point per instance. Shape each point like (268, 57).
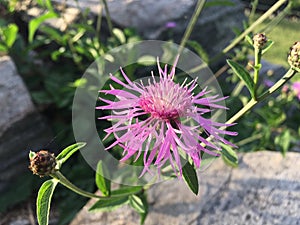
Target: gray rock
(263, 190)
(213, 29)
(21, 127)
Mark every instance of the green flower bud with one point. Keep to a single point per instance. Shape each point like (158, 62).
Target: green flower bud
(42, 163)
(259, 40)
(294, 56)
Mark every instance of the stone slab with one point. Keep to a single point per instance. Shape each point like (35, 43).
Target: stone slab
(265, 189)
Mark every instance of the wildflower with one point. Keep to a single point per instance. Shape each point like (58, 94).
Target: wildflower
(294, 56)
(259, 40)
(296, 88)
(175, 124)
(42, 163)
(170, 24)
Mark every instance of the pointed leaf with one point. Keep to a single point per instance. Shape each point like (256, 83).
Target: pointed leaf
(108, 204)
(102, 182)
(68, 151)
(137, 203)
(36, 22)
(267, 46)
(125, 191)
(249, 39)
(43, 201)
(190, 177)
(243, 75)
(229, 156)
(10, 33)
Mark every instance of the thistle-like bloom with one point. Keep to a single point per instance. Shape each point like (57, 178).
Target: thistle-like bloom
(42, 163)
(174, 125)
(259, 40)
(296, 88)
(294, 56)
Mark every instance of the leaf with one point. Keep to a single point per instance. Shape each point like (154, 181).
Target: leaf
(43, 201)
(119, 35)
(200, 50)
(36, 22)
(102, 183)
(108, 204)
(68, 151)
(146, 60)
(283, 141)
(249, 39)
(229, 156)
(190, 177)
(267, 46)
(243, 75)
(10, 33)
(125, 191)
(219, 3)
(137, 203)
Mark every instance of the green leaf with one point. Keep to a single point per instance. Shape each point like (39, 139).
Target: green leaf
(267, 46)
(10, 33)
(229, 156)
(36, 22)
(146, 60)
(200, 50)
(283, 141)
(108, 204)
(102, 183)
(249, 39)
(43, 201)
(190, 177)
(243, 75)
(68, 151)
(125, 191)
(119, 35)
(219, 3)
(137, 203)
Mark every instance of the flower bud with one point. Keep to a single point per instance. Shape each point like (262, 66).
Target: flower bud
(259, 40)
(42, 163)
(294, 55)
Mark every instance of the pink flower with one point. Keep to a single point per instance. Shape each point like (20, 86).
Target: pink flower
(171, 24)
(174, 124)
(296, 88)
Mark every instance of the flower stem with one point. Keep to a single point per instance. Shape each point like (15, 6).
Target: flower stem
(289, 74)
(257, 66)
(109, 23)
(251, 28)
(64, 181)
(191, 25)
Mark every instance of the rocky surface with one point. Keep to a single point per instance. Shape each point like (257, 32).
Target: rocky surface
(150, 19)
(263, 190)
(21, 126)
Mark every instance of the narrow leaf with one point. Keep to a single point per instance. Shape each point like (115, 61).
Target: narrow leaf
(190, 177)
(10, 33)
(268, 45)
(137, 203)
(102, 183)
(125, 191)
(229, 156)
(108, 204)
(43, 201)
(243, 75)
(68, 151)
(35, 23)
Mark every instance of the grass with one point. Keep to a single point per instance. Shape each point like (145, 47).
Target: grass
(284, 34)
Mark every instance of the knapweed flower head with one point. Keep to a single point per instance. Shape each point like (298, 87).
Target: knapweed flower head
(296, 89)
(42, 163)
(259, 40)
(173, 121)
(294, 56)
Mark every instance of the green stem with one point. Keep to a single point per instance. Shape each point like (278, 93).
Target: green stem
(257, 66)
(253, 10)
(110, 26)
(64, 181)
(254, 25)
(191, 25)
(289, 74)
